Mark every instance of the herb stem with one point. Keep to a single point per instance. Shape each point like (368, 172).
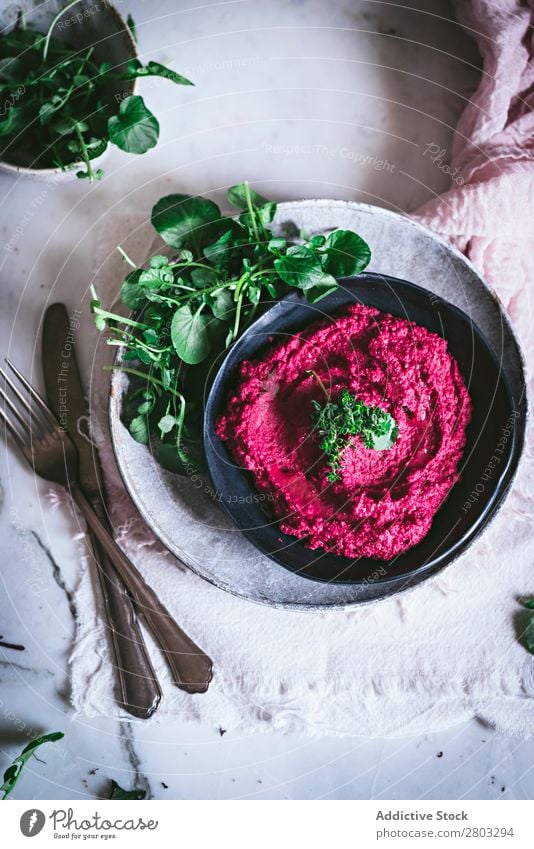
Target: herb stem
(320, 382)
(84, 153)
(55, 19)
(251, 210)
(125, 257)
(120, 318)
(147, 376)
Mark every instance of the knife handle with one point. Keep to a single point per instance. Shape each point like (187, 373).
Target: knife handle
(140, 693)
(191, 668)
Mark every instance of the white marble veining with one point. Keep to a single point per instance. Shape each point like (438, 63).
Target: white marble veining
(305, 99)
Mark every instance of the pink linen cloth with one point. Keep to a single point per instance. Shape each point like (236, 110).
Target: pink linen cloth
(488, 213)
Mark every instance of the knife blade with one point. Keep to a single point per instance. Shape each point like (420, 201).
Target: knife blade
(140, 693)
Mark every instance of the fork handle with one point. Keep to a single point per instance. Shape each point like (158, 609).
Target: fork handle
(191, 668)
(140, 693)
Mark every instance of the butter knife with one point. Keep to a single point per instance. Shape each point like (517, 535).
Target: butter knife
(140, 692)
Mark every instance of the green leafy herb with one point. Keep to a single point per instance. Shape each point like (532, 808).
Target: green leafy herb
(134, 129)
(116, 792)
(528, 635)
(13, 772)
(62, 107)
(526, 623)
(189, 308)
(338, 422)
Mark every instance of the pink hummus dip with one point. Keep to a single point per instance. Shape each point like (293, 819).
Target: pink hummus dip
(385, 500)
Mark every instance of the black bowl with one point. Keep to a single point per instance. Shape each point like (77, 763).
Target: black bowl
(471, 502)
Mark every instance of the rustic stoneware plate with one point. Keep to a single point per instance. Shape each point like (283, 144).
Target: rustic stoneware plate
(184, 511)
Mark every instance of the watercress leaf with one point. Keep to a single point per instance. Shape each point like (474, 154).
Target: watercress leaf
(156, 277)
(274, 246)
(528, 635)
(168, 377)
(222, 304)
(13, 772)
(529, 604)
(201, 277)
(80, 80)
(64, 126)
(94, 148)
(189, 335)
(168, 457)
(253, 293)
(237, 196)
(131, 354)
(266, 213)
(182, 220)
(346, 253)
(166, 424)
(301, 268)
(155, 69)
(135, 129)
(271, 288)
(158, 261)
(220, 252)
(317, 241)
(150, 336)
(144, 356)
(50, 108)
(16, 119)
(153, 314)
(53, 737)
(138, 428)
(144, 408)
(117, 793)
(132, 294)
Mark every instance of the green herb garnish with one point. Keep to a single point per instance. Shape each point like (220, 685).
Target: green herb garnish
(13, 772)
(337, 422)
(62, 106)
(188, 309)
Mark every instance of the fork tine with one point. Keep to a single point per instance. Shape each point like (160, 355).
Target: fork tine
(34, 394)
(24, 421)
(15, 435)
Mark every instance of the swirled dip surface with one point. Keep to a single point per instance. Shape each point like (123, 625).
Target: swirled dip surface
(385, 500)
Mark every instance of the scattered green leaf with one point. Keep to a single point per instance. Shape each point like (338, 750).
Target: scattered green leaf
(13, 772)
(117, 793)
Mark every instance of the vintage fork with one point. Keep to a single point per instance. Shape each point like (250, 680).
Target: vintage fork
(53, 456)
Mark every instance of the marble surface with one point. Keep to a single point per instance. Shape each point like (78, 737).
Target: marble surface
(305, 99)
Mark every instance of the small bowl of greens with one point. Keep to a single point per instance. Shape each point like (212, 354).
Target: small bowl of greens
(68, 76)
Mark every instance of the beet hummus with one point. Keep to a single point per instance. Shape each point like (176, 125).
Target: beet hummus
(383, 501)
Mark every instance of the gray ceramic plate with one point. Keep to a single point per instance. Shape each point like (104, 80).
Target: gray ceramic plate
(182, 511)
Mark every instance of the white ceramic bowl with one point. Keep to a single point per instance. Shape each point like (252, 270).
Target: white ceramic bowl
(86, 24)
